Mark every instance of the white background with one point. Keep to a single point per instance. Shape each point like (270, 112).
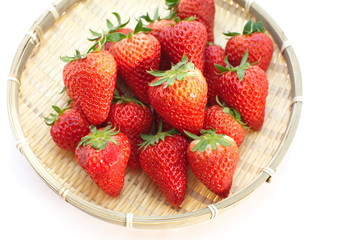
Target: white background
(315, 193)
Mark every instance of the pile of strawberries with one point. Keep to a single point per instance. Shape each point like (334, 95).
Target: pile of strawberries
(192, 102)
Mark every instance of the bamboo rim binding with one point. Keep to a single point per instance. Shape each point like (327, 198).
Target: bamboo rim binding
(33, 39)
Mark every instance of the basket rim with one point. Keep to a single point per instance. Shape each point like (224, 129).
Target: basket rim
(31, 41)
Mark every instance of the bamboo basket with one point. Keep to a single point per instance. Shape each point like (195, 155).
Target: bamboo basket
(35, 80)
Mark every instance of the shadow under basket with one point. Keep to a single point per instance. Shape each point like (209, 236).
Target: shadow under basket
(35, 81)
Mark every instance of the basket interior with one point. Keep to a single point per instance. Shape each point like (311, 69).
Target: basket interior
(41, 83)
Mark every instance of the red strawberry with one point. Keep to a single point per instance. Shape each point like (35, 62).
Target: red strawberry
(214, 54)
(179, 96)
(213, 158)
(163, 158)
(136, 54)
(225, 120)
(104, 154)
(68, 126)
(133, 118)
(184, 38)
(203, 10)
(259, 45)
(245, 88)
(90, 81)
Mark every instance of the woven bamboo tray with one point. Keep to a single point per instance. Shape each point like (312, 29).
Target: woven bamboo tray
(35, 80)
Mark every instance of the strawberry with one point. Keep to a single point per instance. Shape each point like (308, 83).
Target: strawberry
(203, 10)
(68, 126)
(214, 54)
(255, 41)
(179, 96)
(163, 157)
(186, 37)
(136, 54)
(133, 118)
(213, 158)
(245, 88)
(225, 120)
(90, 81)
(104, 154)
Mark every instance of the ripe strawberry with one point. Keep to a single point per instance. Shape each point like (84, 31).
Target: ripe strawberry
(245, 88)
(203, 10)
(90, 81)
(133, 118)
(184, 38)
(135, 54)
(253, 39)
(163, 158)
(179, 96)
(104, 154)
(213, 158)
(225, 120)
(68, 126)
(214, 54)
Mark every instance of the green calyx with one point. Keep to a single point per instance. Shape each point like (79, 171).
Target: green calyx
(178, 72)
(153, 139)
(178, 19)
(116, 36)
(99, 138)
(111, 27)
(249, 28)
(232, 111)
(157, 17)
(240, 70)
(123, 99)
(55, 116)
(208, 137)
(140, 28)
(77, 56)
(109, 35)
(253, 27)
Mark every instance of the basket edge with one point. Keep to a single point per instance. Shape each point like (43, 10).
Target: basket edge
(24, 52)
